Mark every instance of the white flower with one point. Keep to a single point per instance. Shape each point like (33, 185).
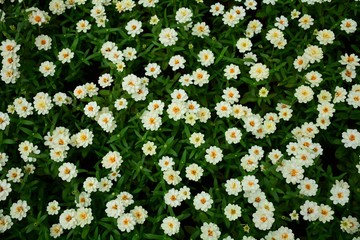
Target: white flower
(173, 198)
(200, 77)
(313, 53)
(349, 224)
(233, 186)
(232, 211)
(250, 183)
(200, 30)
(340, 192)
(5, 223)
(114, 208)
(65, 55)
(170, 225)
(177, 62)
(281, 22)
(105, 80)
(231, 71)
(325, 37)
(19, 209)
(172, 177)
(47, 68)
(351, 138)
(243, 45)
(168, 37)
(259, 72)
(197, 139)
(53, 208)
(233, 135)
(133, 27)
(83, 26)
(5, 190)
(194, 172)
(43, 42)
(210, 231)
(67, 171)
(348, 25)
(152, 70)
(306, 21)
(139, 214)
(304, 94)
(203, 201)
(4, 120)
(112, 160)
(14, 174)
(126, 222)
(213, 155)
(310, 210)
(149, 148)
(206, 57)
(217, 9)
(183, 15)
(263, 219)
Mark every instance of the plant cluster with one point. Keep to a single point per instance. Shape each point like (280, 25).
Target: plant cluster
(191, 119)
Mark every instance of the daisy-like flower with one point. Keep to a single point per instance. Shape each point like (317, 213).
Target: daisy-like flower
(112, 160)
(243, 45)
(67, 171)
(325, 213)
(232, 211)
(325, 37)
(351, 138)
(126, 222)
(133, 27)
(19, 209)
(43, 42)
(83, 26)
(200, 30)
(114, 208)
(281, 22)
(304, 94)
(56, 230)
(120, 104)
(314, 78)
(194, 172)
(177, 62)
(210, 231)
(231, 18)
(172, 177)
(183, 15)
(152, 70)
(166, 163)
(170, 225)
(223, 109)
(149, 148)
(301, 63)
(65, 55)
(53, 208)
(313, 53)
(233, 135)
(349, 224)
(173, 198)
(348, 25)
(259, 72)
(213, 155)
(310, 210)
(200, 77)
(168, 37)
(233, 186)
(47, 68)
(154, 20)
(217, 9)
(306, 21)
(139, 214)
(203, 201)
(231, 71)
(263, 219)
(5, 189)
(206, 57)
(5, 223)
(14, 174)
(4, 120)
(340, 192)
